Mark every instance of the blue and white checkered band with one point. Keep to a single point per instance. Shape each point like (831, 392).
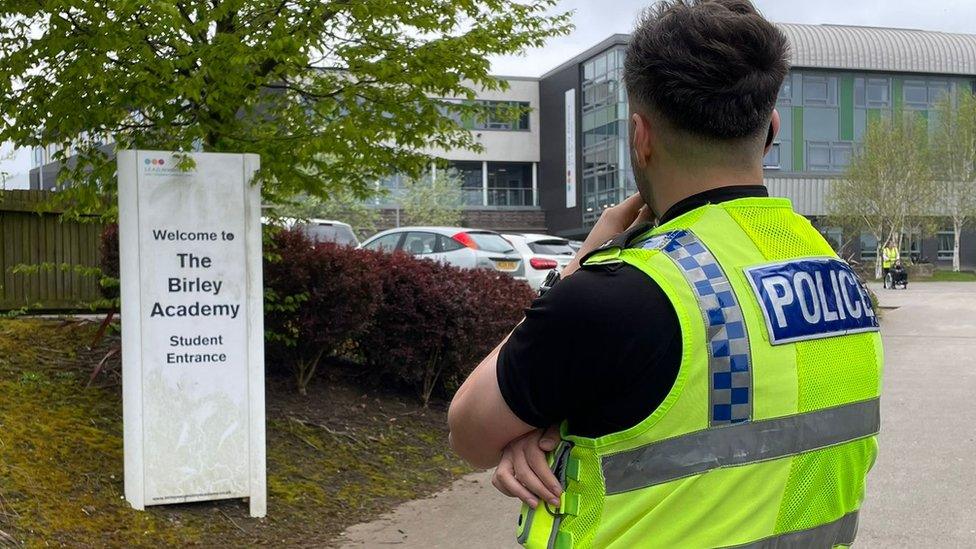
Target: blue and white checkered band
(729, 362)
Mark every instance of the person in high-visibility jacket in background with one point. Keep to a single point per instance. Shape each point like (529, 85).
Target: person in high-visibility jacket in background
(889, 255)
(714, 378)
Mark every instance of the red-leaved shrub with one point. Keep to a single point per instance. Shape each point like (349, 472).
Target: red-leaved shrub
(435, 322)
(318, 299)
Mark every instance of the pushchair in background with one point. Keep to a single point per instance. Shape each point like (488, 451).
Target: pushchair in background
(896, 277)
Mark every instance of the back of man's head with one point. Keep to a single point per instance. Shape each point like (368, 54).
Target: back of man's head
(711, 68)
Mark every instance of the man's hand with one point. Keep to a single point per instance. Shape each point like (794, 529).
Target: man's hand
(613, 221)
(523, 471)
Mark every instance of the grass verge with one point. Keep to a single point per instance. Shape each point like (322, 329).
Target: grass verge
(950, 276)
(335, 458)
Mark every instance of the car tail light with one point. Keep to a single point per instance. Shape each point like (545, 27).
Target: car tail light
(543, 264)
(465, 240)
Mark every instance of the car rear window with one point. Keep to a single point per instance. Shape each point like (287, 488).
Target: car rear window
(491, 242)
(551, 247)
(340, 234)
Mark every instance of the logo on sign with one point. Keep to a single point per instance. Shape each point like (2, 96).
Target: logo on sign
(811, 299)
(158, 167)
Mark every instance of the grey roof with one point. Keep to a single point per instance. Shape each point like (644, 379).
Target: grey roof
(881, 49)
(857, 48)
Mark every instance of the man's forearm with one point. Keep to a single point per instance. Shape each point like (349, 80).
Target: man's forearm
(480, 422)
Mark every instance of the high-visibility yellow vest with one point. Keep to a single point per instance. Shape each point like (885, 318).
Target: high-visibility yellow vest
(768, 434)
(888, 256)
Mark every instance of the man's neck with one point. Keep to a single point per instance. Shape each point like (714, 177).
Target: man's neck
(673, 186)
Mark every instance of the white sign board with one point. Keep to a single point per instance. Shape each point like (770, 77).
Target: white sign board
(571, 148)
(192, 329)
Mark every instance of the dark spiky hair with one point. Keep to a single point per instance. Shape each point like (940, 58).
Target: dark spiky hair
(710, 67)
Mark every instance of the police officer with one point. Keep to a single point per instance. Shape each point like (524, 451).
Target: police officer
(714, 378)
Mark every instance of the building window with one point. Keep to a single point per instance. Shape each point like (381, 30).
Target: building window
(786, 91)
(771, 162)
(511, 116)
(840, 155)
(819, 91)
(510, 184)
(472, 176)
(507, 115)
(911, 245)
(937, 90)
(390, 190)
(869, 247)
(818, 156)
(874, 93)
(947, 245)
(834, 236)
(923, 95)
(878, 93)
(916, 94)
(827, 156)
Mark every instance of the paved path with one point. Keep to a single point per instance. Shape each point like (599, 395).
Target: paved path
(922, 492)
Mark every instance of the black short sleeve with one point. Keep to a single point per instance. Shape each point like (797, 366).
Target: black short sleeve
(601, 349)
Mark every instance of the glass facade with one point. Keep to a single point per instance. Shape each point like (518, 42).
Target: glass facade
(824, 114)
(492, 184)
(607, 177)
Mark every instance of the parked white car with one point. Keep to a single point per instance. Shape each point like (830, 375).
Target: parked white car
(464, 248)
(541, 254)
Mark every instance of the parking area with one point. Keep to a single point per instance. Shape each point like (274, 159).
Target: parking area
(921, 493)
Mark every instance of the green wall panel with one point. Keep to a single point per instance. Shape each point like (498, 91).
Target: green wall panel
(897, 94)
(847, 108)
(798, 142)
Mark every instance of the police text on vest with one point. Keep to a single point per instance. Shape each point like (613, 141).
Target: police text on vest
(811, 299)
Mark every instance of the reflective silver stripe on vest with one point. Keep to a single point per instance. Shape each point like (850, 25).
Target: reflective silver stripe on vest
(527, 527)
(726, 337)
(740, 444)
(840, 532)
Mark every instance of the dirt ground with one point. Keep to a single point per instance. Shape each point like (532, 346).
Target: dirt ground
(339, 456)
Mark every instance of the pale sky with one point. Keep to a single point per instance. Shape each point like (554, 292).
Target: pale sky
(598, 19)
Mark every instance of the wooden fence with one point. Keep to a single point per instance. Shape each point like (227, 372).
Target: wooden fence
(45, 260)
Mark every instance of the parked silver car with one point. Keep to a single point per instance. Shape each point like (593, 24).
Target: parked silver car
(323, 230)
(541, 254)
(464, 248)
(318, 230)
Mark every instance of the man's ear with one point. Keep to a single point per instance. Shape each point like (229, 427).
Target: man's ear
(774, 123)
(641, 139)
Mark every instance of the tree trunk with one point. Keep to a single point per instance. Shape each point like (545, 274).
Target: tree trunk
(957, 234)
